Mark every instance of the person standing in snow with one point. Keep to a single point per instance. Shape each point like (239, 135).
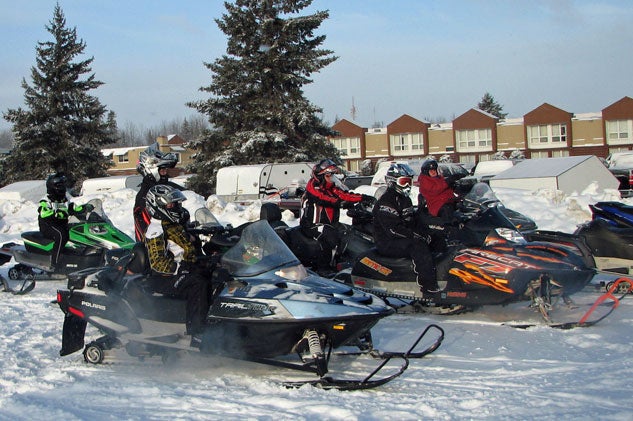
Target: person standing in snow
(153, 165)
(320, 210)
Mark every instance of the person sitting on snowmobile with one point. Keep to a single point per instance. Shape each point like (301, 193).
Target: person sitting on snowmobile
(320, 211)
(53, 212)
(395, 227)
(153, 165)
(172, 256)
(436, 190)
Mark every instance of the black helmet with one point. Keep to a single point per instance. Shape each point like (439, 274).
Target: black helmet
(151, 160)
(428, 165)
(325, 166)
(56, 185)
(400, 177)
(165, 203)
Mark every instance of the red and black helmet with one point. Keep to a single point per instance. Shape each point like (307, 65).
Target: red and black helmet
(325, 166)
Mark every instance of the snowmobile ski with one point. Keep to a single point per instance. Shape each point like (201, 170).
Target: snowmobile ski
(369, 382)
(622, 285)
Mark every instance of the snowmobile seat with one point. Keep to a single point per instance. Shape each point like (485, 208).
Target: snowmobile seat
(272, 213)
(46, 244)
(140, 261)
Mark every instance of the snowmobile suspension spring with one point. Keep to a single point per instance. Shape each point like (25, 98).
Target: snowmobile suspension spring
(314, 343)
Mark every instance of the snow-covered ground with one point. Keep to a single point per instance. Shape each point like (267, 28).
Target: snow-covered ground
(483, 369)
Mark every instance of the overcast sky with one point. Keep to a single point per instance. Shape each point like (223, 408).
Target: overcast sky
(428, 59)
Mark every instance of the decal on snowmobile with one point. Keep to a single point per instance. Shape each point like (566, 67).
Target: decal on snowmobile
(491, 262)
(482, 279)
(94, 305)
(372, 264)
(240, 308)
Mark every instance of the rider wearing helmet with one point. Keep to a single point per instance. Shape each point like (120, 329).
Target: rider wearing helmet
(172, 255)
(395, 227)
(440, 197)
(320, 210)
(153, 165)
(53, 212)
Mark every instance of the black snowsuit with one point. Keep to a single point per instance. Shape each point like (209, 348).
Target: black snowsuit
(394, 231)
(52, 218)
(172, 258)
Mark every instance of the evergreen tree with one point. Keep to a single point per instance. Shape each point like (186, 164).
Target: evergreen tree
(257, 111)
(489, 105)
(63, 127)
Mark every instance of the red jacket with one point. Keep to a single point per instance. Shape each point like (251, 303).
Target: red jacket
(436, 192)
(322, 203)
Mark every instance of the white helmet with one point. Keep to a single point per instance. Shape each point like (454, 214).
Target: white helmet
(151, 160)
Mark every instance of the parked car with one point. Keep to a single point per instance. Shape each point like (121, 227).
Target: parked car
(621, 166)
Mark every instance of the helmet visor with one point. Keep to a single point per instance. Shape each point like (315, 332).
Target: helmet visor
(329, 170)
(403, 181)
(173, 197)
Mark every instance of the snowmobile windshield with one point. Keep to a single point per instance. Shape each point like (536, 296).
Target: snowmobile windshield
(204, 218)
(480, 195)
(95, 215)
(259, 250)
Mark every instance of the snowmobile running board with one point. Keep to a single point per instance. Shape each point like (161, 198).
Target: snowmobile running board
(327, 382)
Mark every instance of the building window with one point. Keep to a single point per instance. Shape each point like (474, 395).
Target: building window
(123, 158)
(560, 153)
(474, 140)
(619, 131)
(404, 143)
(348, 146)
(547, 135)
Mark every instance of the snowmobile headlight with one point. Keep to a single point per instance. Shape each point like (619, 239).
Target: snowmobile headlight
(511, 235)
(294, 273)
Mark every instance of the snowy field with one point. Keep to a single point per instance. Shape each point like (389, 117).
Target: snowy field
(483, 369)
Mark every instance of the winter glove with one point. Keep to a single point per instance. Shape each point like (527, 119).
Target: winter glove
(368, 200)
(347, 205)
(61, 214)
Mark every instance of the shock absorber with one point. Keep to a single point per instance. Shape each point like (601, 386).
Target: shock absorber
(316, 351)
(314, 343)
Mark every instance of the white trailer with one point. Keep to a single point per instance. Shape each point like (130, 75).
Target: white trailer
(243, 183)
(110, 184)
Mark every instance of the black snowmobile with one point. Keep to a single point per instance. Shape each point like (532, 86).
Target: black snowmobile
(487, 261)
(268, 306)
(608, 237)
(91, 234)
(356, 239)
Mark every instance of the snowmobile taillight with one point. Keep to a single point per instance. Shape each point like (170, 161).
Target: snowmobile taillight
(76, 312)
(340, 326)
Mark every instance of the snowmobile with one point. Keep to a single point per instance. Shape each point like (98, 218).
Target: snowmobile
(90, 235)
(265, 307)
(356, 239)
(608, 236)
(486, 261)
